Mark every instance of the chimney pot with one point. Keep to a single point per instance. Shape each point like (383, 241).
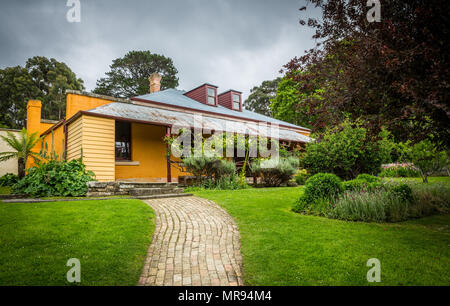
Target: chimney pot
(155, 82)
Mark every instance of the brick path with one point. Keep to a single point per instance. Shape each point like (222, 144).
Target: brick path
(196, 243)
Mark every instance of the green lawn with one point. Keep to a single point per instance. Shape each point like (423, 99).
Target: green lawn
(284, 248)
(110, 238)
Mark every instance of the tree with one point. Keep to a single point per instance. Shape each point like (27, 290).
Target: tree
(427, 158)
(22, 149)
(347, 150)
(16, 88)
(128, 76)
(260, 97)
(288, 104)
(41, 78)
(392, 73)
(52, 78)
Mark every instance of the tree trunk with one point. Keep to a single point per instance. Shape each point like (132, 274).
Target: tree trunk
(21, 167)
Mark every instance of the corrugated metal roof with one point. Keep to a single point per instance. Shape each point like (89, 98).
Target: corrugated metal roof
(185, 119)
(177, 98)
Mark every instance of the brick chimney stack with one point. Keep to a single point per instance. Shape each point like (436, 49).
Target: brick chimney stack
(155, 82)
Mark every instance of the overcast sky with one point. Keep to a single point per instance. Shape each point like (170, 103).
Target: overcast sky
(230, 43)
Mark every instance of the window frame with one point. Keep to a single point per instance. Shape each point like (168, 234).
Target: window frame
(208, 96)
(232, 101)
(130, 158)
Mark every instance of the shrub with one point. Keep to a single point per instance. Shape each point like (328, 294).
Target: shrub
(403, 191)
(430, 199)
(368, 178)
(55, 178)
(301, 177)
(323, 186)
(8, 180)
(209, 166)
(346, 151)
(400, 171)
(320, 190)
(378, 206)
(275, 172)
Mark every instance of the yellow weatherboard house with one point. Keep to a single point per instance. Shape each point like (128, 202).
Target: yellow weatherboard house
(123, 139)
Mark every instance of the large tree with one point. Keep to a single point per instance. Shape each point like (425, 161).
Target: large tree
(128, 76)
(52, 78)
(260, 97)
(393, 73)
(41, 78)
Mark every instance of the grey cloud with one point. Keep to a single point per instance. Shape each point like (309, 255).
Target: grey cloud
(232, 43)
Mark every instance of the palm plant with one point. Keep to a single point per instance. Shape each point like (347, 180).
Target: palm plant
(22, 147)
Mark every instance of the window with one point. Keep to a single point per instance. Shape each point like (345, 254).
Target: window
(123, 140)
(236, 102)
(211, 96)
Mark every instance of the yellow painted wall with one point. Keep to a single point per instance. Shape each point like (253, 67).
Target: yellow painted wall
(74, 139)
(76, 103)
(55, 142)
(94, 137)
(149, 149)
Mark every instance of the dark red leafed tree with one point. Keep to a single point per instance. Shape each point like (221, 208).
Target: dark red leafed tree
(393, 73)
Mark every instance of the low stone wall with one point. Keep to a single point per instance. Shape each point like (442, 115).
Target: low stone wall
(102, 189)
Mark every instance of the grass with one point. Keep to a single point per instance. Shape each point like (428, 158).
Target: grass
(110, 238)
(281, 247)
(5, 190)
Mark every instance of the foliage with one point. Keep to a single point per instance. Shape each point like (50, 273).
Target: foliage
(301, 177)
(378, 206)
(260, 97)
(368, 178)
(129, 75)
(22, 149)
(346, 150)
(391, 73)
(222, 183)
(400, 171)
(403, 192)
(8, 180)
(55, 178)
(41, 78)
(320, 190)
(362, 185)
(275, 172)
(377, 202)
(427, 158)
(285, 105)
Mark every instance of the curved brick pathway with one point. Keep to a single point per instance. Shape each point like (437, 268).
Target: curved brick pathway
(195, 243)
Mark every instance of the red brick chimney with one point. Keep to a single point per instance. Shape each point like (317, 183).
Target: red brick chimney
(155, 82)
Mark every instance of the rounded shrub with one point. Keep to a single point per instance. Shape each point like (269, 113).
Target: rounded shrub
(368, 178)
(402, 191)
(323, 186)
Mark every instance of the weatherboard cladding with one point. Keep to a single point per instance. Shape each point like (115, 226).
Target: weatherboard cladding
(226, 99)
(182, 119)
(177, 98)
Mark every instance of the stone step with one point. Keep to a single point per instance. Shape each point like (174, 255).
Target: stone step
(162, 196)
(155, 191)
(131, 185)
